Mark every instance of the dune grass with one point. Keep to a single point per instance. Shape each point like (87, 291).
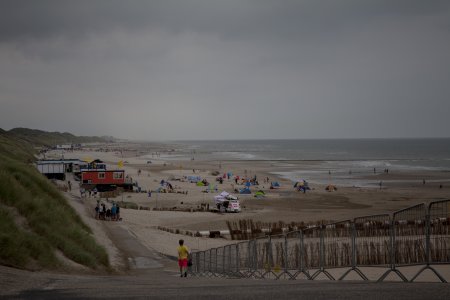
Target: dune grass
(36, 221)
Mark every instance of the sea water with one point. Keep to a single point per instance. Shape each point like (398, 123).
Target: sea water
(341, 159)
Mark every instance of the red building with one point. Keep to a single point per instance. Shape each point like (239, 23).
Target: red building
(104, 179)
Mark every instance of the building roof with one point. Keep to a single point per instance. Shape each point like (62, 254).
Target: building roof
(58, 161)
(100, 170)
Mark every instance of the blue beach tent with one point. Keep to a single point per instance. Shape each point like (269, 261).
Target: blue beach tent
(245, 191)
(194, 179)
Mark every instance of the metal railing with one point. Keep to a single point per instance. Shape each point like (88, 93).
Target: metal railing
(415, 236)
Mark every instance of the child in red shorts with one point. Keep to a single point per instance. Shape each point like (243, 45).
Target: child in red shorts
(183, 255)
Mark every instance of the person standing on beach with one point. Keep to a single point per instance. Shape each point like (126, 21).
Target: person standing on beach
(183, 254)
(113, 212)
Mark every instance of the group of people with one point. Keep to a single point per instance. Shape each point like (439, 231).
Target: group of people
(93, 192)
(107, 214)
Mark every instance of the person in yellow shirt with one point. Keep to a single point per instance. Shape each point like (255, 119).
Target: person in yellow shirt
(183, 255)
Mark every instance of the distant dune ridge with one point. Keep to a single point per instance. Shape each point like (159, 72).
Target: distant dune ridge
(43, 138)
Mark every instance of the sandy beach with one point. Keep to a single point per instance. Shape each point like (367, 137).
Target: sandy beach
(399, 190)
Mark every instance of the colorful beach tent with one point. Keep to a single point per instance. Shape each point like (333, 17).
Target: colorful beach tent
(161, 190)
(299, 183)
(245, 191)
(260, 194)
(194, 178)
(223, 197)
(331, 188)
(274, 185)
(212, 188)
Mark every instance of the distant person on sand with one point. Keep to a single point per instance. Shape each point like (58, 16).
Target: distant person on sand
(118, 213)
(113, 212)
(183, 254)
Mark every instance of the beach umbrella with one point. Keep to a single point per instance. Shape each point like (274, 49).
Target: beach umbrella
(299, 183)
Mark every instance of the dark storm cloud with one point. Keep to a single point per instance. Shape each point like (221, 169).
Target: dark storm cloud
(226, 69)
(231, 18)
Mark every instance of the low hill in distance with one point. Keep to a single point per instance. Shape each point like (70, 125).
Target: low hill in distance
(43, 138)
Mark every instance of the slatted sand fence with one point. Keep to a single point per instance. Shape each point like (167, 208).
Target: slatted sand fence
(373, 240)
(313, 250)
(337, 245)
(295, 256)
(408, 239)
(245, 259)
(437, 243)
(439, 232)
(414, 236)
(277, 257)
(220, 261)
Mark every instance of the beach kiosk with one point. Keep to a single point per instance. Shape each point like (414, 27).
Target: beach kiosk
(105, 180)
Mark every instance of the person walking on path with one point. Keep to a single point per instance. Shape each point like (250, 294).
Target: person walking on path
(183, 254)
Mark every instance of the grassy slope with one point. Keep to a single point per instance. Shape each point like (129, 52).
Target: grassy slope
(35, 218)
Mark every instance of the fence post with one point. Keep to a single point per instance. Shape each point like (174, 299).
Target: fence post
(285, 253)
(210, 261)
(353, 227)
(204, 261)
(392, 241)
(427, 236)
(269, 262)
(229, 261)
(353, 267)
(223, 260)
(302, 254)
(197, 263)
(392, 256)
(215, 263)
(255, 255)
(322, 255)
(237, 259)
(322, 248)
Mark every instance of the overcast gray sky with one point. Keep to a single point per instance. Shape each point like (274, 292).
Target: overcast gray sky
(243, 69)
